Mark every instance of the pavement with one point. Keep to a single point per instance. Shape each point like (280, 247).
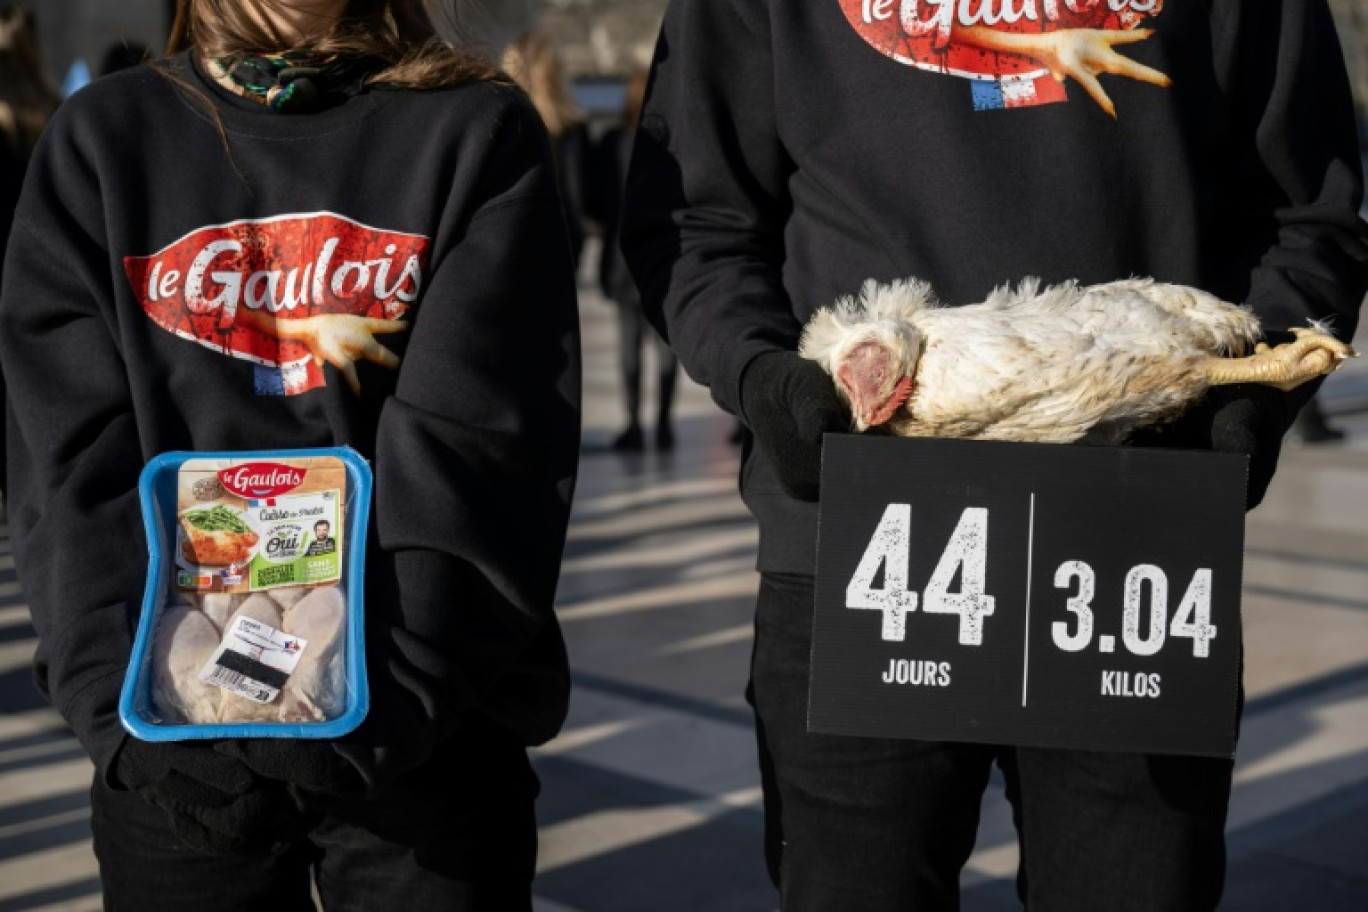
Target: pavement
(651, 800)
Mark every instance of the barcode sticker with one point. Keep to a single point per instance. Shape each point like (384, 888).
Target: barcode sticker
(254, 660)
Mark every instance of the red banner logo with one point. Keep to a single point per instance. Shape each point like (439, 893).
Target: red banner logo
(261, 479)
(1015, 52)
(263, 289)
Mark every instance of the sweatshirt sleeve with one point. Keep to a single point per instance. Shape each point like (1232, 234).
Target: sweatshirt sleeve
(74, 452)
(1290, 210)
(707, 194)
(474, 470)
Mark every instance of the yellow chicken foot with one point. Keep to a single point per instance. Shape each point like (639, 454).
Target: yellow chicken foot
(1284, 366)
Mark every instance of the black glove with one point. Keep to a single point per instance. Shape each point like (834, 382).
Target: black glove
(1244, 418)
(310, 764)
(212, 803)
(789, 402)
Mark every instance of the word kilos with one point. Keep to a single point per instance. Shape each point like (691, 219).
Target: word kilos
(1130, 684)
(921, 673)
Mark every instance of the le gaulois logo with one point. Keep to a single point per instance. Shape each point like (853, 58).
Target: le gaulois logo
(288, 293)
(261, 479)
(1013, 53)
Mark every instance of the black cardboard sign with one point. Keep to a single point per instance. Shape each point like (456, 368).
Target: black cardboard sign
(1029, 594)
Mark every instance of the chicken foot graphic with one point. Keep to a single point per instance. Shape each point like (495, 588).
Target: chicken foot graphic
(1285, 366)
(339, 339)
(1083, 54)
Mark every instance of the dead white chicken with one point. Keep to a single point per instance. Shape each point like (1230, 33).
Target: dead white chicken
(1063, 364)
(185, 640)
(317, 688)
(235, 707)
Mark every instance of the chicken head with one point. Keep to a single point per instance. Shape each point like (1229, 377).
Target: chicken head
(876, 379)
(870, 348)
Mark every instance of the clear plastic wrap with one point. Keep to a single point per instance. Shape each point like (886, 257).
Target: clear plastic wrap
(252, 621)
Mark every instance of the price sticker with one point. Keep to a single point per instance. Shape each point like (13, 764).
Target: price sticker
(1032, 594)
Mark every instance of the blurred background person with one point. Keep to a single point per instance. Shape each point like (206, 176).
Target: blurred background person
(532, 61)
(121, 55)
(27, 100)
(611, 155)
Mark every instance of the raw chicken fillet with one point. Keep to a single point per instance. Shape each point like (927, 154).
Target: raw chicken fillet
(188, 635)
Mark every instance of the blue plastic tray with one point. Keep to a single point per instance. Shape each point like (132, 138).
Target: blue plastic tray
(157, 492)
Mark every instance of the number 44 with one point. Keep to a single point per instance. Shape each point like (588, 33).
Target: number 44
(967, 552)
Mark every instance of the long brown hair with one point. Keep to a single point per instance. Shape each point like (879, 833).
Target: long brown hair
(532, 61)
(398, 32)
(634, 97)
(26, 99)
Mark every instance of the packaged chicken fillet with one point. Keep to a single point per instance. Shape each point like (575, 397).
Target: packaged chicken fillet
(251, 620)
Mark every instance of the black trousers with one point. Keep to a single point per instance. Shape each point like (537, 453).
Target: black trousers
(885, 825)
(633, 333)
(457, 835)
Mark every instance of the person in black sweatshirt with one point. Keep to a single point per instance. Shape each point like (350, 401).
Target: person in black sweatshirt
(611, 157)
(790, 152)
(315, 224)
(532, 61)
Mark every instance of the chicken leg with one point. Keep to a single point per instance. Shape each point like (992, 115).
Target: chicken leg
(185, 641)
(1287, 366)
(317, 690)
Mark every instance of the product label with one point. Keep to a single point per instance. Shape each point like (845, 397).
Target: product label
(239, 530)
(298, 540)
(254, 660)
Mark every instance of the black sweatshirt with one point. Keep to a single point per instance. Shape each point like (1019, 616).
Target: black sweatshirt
(134, 319)
(791, 151)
